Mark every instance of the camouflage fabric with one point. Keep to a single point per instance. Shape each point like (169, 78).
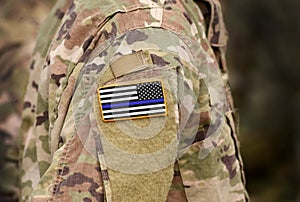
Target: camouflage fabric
(71, 154)
(18, 28)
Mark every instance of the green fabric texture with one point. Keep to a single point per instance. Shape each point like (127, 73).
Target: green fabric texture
(70, 154)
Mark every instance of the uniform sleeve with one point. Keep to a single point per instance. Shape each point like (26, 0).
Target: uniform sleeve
(125, 105)
(146, 111)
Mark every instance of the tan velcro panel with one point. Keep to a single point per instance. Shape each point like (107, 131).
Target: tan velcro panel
(130, 63)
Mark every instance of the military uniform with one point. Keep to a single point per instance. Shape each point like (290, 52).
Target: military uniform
(15, 54)
(126, 102)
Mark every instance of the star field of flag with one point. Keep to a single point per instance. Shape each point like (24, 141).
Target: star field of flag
(132, 101)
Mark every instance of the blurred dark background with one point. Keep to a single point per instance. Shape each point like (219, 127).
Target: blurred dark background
(264, 60)
(264, 64)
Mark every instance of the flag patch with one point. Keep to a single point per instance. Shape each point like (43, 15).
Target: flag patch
(132, 101)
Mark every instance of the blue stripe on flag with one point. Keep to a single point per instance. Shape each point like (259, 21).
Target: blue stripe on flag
(130, 104)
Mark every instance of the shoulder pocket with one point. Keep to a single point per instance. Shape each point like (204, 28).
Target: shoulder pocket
(137, 117)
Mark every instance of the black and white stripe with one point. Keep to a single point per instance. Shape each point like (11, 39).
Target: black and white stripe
(128, 101)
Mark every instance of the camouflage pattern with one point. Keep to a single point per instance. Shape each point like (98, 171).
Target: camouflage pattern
(11, 107)
(18, 29)
(70, 154)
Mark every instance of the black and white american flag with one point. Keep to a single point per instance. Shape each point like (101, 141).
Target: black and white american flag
(132, 101)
